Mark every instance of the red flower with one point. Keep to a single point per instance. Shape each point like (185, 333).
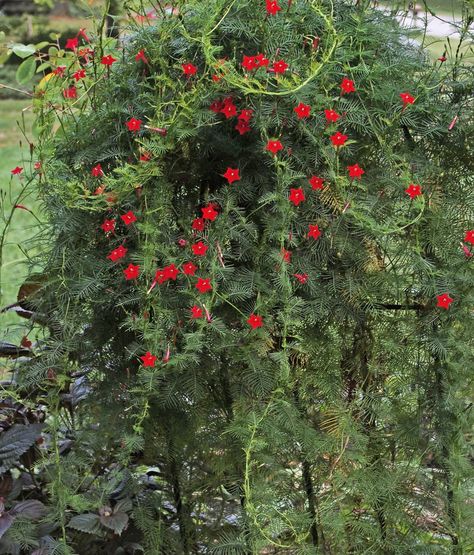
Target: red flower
(249, 63)
(469, 237)
(196, 312)
(79, 74)
(160, 277)
(272, 7)
(198, 224)
(16, 171)
(70, 92)
(189, 69)
(246, 115)
(274, 146)
(286, 255)
(108, 60)
(232, 175)
(141, 56)
(145, 157)
(209, 212)
(148, 359)
(134, 124)
(347, 85)
(216, 78)
(302, 110)
(82, 33)
(296, 196)
(331, 115)
(444, 300)
(255, 321)
(199, 248)
(131, 272)
(229, 109)
(37, 165)
(117, 253)
(171, 272)
(128, 218)
(216, 106)
(316, 182)
(242, 127)
(442, 59)
(314, 231)
(355, 171)
(280, 67)
(261, 60)
(71, 44)
(189, 269)
(203, 285)
(97, 171)
(108, 225)
(413, 191)
(60, 71)
(338, 139)
(302, 278)
(407, 99)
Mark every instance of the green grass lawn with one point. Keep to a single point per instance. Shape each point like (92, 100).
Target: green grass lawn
(14, 115)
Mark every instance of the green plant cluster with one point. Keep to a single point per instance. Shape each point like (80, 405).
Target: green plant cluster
(317, 398)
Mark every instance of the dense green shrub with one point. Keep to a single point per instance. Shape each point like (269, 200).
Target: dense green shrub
(249, 344)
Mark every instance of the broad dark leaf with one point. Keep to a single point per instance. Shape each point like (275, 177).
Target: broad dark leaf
(6, 520)
(16, 441)
(87, 522)
(29, 509)
(116, 522)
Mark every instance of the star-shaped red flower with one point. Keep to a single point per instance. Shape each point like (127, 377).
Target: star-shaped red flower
(261, 60)
(196, 312)
(97, 171)
(71, 44)
(413, 191)
(128, 218)
(314, 231)
(108, 225)
(249, 63)
(189, 269)
(255, 321)
(469, 237)
(347, 86)
(280, 67)
(296, 196)
(286, 255)
(132, 271)
(134, 124)
(272, 7)
(232, 175)
(141, 56)
(199, 249)
(274, 146)
(242, 127)
(407, 98)
(209, 212)
(203, 285)
(108, 60)
(70, 92)
(355, 171)
(216, 106)
(444, 300)
(117, 253)
(160, 276)
(229, 110)
(316, 182)
(246, 114)
(302, 110)
(189, 69)
(338, 139)
(148, 359)
(302, 278)
(16, 171)
(331, 115)
(79, 74)
(198, 224)
(171, 272)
